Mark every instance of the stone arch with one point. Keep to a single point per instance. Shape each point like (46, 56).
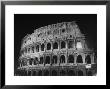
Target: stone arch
(63, 44)
(46, 73)
(34, 73)
(37, 48)
(29, 73)
(42, 47)
(34, 62)
(40, 73)
(88, 59)
(55, 58)
(80, 73)
(79, 59)
(32, 49)
(55, 45)
(48, 46)
(62, 73)
(47, 60)
(62, 59)
(54, 73)
(70, 44)
(30, 61)
(41, 60)
(71, 73)
(89, 73)
(70, 58)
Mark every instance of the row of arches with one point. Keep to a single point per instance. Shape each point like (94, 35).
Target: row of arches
(59, 73)
(48, 46)
(56, 60)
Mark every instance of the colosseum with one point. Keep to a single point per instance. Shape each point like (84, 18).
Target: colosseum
(57, 50)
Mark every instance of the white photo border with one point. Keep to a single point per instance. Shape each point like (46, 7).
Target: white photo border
(100, 10)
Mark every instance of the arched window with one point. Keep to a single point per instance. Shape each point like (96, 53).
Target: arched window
(42, 47)
(63, 30)
(30, 62)
(49, 46)
(54, 73)
(41, 60)
(35, 62)
(54, 59)
(55, 45)
(32, 49)
(79, 59)
(71, 59)
(88, 59)
(80, 73)
(47, 61)
(37, 48)
(63, 45)
(62, 59)
(70, 44)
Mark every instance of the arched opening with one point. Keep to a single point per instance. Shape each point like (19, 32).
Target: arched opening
(71, 73)
(62, 73)
(70, 44)
(80, 73)
(54, 59)
(55, 45)
(37, 48)
(63, 45)
(32, 49)
(29, 73)
(79, 59)
(63, 30)
(41, 60)
(47, 61)
(88, 59)
(49, 46)
(89, 73)
(71, 59)
(42, 47)
(40, 73)
(62, 59)
(34, 73)
(35, 62)
(54, 73)
(46, 73)
(30, 62)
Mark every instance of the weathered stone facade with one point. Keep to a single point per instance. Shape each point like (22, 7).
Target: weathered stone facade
(56, 50)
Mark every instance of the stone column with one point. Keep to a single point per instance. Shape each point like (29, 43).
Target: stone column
(83, 57)
(66, 44)
(92, 58)
(58, 59)
(75, 58)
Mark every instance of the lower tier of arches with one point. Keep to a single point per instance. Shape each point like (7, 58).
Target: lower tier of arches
(57, 71)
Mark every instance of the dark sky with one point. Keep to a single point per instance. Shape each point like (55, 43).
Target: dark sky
(26, 24)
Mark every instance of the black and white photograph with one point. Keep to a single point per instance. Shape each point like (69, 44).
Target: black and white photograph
(55, 45)
(62, 43)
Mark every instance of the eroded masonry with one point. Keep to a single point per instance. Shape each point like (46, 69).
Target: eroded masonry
(57, 50)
